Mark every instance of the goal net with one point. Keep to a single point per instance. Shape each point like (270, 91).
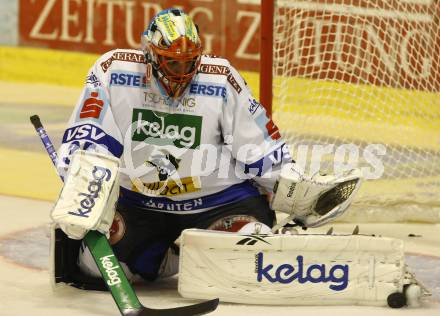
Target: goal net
(357, 83)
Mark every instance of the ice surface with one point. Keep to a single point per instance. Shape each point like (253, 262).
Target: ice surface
(25, 287)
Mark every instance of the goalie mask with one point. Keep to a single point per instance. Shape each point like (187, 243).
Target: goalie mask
(172, 47)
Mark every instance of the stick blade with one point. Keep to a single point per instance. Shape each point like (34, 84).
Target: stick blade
(189, 310)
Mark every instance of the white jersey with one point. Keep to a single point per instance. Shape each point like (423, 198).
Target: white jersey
(212, 146)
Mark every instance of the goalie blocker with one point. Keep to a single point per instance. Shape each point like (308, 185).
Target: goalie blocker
(296, 269)
(86, 202)
(88, 198)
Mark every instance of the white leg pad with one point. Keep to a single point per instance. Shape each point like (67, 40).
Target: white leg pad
(290, 269)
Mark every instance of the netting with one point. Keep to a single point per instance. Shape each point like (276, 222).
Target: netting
(357, 83)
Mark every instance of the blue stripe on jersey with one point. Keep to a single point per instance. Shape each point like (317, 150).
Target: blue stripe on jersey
(234, 193)
(276, 157)
(89, 133)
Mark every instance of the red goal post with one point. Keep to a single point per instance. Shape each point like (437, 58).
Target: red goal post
(359, 81)
(266, 53)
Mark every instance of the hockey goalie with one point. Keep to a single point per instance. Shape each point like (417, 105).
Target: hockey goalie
(165, 139)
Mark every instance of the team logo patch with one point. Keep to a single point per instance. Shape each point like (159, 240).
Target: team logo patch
(92, 106)
(165, 164)
(254, 106)
(182, 129)
(169, 183)
(92, 79)
(117, 230)
(86, 135)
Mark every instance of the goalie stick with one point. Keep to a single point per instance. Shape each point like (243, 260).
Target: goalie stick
(111, 271)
